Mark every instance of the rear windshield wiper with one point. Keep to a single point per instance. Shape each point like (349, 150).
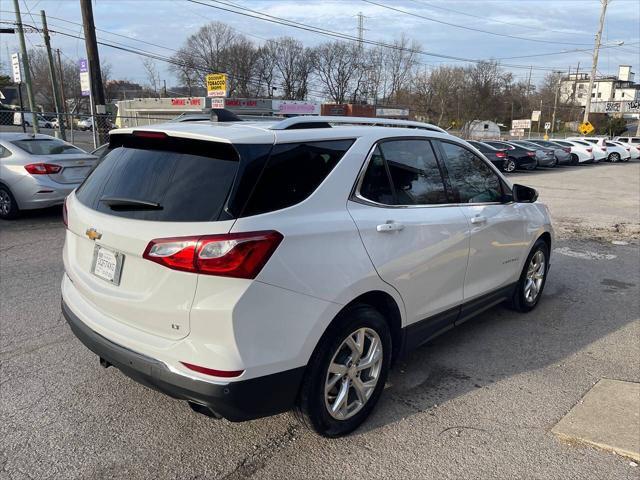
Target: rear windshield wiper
(124, 203)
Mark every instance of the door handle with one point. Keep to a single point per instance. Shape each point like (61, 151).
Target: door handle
(390, 226)
(478, 219)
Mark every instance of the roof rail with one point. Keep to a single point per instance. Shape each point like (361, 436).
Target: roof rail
(308, 121)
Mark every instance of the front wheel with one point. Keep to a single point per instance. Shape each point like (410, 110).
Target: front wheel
(614, 157)
(532, 279)
(346, 373)
(509, 165)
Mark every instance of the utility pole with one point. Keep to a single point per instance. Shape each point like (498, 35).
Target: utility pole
(594, 65)
(97, 90)
(529, 80)
(25, 66)
(360, 29)
(555, 104)
(62, 97)
(52, 75)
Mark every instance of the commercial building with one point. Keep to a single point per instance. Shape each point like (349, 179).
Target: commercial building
(574, 88)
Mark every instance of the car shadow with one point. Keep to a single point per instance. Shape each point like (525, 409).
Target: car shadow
(34, 218)
(501, 343)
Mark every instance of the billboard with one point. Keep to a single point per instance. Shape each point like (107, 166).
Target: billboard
(521, 124)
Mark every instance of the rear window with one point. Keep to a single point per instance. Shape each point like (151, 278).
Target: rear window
(43, 146)
(179, 183)
(293, 172)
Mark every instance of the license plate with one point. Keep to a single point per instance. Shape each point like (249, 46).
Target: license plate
(107, 264)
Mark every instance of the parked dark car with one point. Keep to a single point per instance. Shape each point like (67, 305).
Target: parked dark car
(497, 156)
(517, 157)
(562, 152)
(545, 156)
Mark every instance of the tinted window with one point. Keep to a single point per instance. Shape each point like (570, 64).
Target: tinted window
(482, 147)
(293, 172)
(472, 180)
(375, 184)
(186, 187)
(635, 140)
(39, 146)
(4, 152)
(414, 171)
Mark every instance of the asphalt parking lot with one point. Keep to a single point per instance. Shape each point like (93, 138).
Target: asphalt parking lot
(479, 402)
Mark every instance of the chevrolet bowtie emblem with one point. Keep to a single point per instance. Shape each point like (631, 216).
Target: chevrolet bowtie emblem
(93, 234)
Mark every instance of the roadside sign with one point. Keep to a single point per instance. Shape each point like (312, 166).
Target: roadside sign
(521, 124)
(517, 132)
(85, 83)
(217, 85)
(15, 66)
(535, 115)
(547, 125)
(586, 128)
(217, 103)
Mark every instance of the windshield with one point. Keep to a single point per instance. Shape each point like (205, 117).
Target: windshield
(45, 146)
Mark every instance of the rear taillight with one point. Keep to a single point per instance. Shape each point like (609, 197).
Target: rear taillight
(145, 134)
(589, 149)
(239, 255)
(567, 149)
(42, 168)
(65, 214)
(501, 155)
(531, 154)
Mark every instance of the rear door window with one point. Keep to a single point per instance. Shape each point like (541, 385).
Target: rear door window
(170, 185)
(292, 173)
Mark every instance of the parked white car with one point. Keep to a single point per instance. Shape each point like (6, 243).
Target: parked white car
(271, 266)
(618, 152)
(580, 152)
(18, 117)
(632, 143)
(597, 143)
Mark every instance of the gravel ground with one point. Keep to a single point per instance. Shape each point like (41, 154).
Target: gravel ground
(478, 402)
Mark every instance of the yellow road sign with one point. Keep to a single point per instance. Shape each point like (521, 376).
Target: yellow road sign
(586, 128)
(217, 85)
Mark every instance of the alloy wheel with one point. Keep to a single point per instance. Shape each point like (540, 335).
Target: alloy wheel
(5, 203)
(535, 277)
(353, 373)
(614, 157)
(510, 166)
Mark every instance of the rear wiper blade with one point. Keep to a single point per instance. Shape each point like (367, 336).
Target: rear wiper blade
(124, 203)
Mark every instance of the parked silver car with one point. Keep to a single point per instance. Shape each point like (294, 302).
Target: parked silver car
(38, 171)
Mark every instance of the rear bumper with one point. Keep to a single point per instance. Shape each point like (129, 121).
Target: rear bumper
(31, 192)
(235, 401)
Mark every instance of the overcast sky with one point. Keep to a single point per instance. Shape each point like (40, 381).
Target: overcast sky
(544, 27)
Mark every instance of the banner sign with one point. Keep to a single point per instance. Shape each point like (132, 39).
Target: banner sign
(521, 124)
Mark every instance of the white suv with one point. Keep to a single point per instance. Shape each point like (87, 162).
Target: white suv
(251, 268)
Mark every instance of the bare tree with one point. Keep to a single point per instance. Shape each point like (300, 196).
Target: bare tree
(153, 76)
(400, 63)
(337, 67)
(294, 64)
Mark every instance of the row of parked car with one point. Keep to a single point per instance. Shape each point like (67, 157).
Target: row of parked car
(529, 154)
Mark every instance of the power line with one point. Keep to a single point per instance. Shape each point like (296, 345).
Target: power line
(442, 22)
(459, 12)
(330, 33)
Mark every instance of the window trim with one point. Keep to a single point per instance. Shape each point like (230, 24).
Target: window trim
(357, 197)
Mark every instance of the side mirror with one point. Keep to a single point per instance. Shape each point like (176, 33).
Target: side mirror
(523, 194)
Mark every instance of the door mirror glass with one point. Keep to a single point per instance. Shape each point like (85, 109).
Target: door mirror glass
(523, 194)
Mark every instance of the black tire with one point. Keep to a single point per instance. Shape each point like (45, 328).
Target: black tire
(8, 206)
(509, 165)
(311, 407)
(519, 301)
(574, 159)
(614, 157)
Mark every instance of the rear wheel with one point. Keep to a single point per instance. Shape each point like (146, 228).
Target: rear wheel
(574, 159)
(509, 165)
(8, 206)
(614, 157)
(346, 373)
(532, 279)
